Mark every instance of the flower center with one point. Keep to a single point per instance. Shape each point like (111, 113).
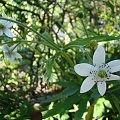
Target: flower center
(102, 73)
(2, 26)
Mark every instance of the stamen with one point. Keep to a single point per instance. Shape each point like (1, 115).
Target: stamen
(102, 73)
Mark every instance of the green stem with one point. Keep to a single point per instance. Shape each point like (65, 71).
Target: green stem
(84, 27)
(89, 58)
(87, 54)
(67, 58)
(15, 46)
(114, 90)
(39, 34)
(18, 41)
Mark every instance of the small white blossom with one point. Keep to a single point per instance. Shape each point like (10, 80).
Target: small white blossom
(10, 53)
(5, 26)
(101, 21)
(117, 27)
(98, 73)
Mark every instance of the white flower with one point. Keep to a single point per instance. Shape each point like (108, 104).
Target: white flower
(10, 52)
(98, 73)
(117, 27)
(5, 26)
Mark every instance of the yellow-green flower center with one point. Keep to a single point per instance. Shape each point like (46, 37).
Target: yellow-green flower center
(2, 26)
(102, 73)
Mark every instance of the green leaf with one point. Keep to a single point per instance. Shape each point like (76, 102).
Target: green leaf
(65, 93)
(62, 106)
(47, 40)
(12, 81)
(48, 44)
(82, 108)
(47, 36)
(65, 84)
(85, 41)
(49, 65)
(116, 102)
(65, 117)
(71, 89)
(89, 115)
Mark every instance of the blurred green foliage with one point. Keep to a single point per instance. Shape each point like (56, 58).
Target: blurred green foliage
(54, 35)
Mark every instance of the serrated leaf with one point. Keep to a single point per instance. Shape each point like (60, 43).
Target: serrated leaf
(85, 41)
(81, 109)
(62, 106)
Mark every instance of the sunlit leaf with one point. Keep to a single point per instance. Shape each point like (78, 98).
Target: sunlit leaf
(49, 65)
(85, 41)
(81, 109)
(70, 89)
(63, 105)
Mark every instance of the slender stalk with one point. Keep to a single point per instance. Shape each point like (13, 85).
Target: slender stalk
(67, 59)
(87, 54)
(84, 27)
(39, 34)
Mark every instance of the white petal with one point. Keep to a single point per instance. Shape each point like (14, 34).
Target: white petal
(6, 56)
(1, 32)
(114, 77)
(99, 56)
(9, 24)
(2, 41)
(8, 32)
(87, 84)
(114, 63)
(14, 47)
(101, 87)
(5, 48)
(11, 59)
(115, 69)
(3, 22)
(83, 69)
(17, 55)
(4, 15)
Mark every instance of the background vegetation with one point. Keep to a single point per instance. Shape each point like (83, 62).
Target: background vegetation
(44, 81)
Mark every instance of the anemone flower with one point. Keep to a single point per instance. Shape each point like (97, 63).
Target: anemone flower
(98, 73)
(5, 26)
(10, 53)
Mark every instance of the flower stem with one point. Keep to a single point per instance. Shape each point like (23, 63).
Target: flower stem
(39, 34)
(87, 54)
(84, 26)
(67, 58)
